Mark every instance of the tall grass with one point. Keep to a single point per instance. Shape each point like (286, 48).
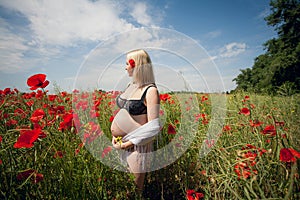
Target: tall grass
(244, 163)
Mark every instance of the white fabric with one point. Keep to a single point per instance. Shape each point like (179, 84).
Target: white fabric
(144, 134)
(142, 138)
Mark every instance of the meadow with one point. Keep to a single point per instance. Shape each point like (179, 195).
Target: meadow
(43, 152)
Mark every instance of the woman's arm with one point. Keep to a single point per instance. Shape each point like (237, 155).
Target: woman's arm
(153, 103)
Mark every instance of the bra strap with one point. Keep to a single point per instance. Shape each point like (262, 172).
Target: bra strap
(144, 94)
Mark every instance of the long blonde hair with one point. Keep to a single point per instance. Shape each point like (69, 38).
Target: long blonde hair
(143, 71)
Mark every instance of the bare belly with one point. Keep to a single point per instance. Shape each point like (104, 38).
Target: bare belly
(124, 123)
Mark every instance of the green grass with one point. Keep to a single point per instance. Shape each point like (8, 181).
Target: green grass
(70, 171)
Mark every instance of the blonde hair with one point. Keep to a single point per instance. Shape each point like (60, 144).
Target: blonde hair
(143, 71)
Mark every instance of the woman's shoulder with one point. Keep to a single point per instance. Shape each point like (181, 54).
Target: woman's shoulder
(150, 85)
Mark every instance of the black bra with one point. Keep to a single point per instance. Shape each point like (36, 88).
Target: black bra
(133, 106)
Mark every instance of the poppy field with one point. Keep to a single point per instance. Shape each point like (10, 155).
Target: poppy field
(42, 156)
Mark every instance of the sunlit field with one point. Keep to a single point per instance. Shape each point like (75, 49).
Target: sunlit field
(42, 156)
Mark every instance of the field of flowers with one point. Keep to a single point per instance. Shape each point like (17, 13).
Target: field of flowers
(42, 156)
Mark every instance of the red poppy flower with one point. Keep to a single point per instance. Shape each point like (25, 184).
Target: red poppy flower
(37, 115)
(37, 81)
(226, 128)
(59, 154)
(171, 129)
(0, 138)
(204, 98)
(11, 122)
(288, 155)
(67, 123)
(164, 97)
(242, 170)
(192, 195)
(255, 123)
(27, 138)
(25, 174)
(245, 111)
(20, 112)
(131, 63)
(210, 143)
(279, 123)
(269, 130)
(92, 131)
(52, 97)
(35, 177)
(6, 91)
(106, 151)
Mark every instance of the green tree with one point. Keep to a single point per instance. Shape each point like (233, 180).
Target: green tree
(279, 66)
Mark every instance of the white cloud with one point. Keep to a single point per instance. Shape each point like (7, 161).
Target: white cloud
(12, 49)
(139, 13)
(232, 49)
(50, 28)
(62, 23)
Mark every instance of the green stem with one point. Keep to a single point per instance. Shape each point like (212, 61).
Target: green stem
(290, 190)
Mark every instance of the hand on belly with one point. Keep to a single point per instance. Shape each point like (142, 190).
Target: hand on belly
(123, 123)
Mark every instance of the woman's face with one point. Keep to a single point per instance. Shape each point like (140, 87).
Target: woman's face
(129, 68)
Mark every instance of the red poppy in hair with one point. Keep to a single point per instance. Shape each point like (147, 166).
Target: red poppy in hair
(131, 62)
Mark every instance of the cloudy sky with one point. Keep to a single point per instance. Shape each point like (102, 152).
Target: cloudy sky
(200, 43)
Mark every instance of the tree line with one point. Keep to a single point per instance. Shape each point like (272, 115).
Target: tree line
(277, 71)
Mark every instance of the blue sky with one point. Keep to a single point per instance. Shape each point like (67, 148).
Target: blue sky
(56, 37)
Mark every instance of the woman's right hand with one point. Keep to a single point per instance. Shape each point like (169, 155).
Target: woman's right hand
(116, 145)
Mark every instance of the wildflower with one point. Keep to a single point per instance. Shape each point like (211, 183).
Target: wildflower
(269, 130)
(27, 138)
(67, 123)
(20, 112)
(106, 151)
(52, 97)
(245, 111)
(192, 195)
(119, 140)
(288, 155)
(37, 115)
(35, 177)
(210, 143)
(37, 81)
(279, 123)
(59, 154)
(203, 116)
(11, 122)
(92, 131)
(255, 123)
(171, 129)
(204, 98)
(164, 97)
(226, 128)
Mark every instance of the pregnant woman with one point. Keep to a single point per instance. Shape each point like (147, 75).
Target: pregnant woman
(137, 121)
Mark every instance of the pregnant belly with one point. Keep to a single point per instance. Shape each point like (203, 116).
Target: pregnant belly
(123, 123)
